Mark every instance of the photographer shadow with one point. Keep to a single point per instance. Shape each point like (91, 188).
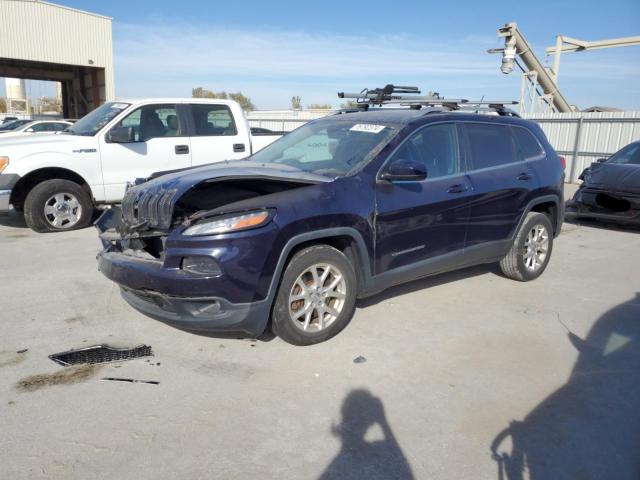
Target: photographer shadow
(360, 458)
(590, 427)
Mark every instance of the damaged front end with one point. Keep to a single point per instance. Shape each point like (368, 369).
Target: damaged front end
(609, 193)
(173, 269)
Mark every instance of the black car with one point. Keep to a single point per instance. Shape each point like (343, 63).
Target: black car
(340, 208)
(610, 189)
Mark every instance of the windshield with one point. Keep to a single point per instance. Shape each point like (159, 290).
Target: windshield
(91, 123)
(328, 147)
(13, 125)
(630, 155)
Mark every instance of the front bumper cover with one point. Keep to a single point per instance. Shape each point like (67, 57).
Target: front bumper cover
(604, 204)
(7, 182)
(172, 295)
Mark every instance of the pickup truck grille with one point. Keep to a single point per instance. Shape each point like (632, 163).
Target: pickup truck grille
(147, 208)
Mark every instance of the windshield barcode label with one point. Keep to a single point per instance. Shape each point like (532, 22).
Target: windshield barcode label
(367, 127)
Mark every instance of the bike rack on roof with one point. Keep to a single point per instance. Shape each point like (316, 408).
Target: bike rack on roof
(410, 97)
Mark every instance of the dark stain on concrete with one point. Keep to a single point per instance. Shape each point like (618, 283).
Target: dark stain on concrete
(62, 377)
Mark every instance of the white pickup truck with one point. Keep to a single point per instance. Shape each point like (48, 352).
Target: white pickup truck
(58, 179)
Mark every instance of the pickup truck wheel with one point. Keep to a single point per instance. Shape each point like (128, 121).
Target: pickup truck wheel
(531, 249)
(57, 205)
(316, 298)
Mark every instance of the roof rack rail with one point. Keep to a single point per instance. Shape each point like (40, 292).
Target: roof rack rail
(395, 95)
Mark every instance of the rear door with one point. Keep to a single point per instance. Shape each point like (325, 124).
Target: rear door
(159, 143)
(502, 182)
(418, 221)
(215, 134)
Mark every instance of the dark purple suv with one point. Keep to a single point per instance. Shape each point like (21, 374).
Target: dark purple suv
(341, 208)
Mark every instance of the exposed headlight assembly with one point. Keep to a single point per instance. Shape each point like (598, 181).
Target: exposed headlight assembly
(4, 161)
(229, 223)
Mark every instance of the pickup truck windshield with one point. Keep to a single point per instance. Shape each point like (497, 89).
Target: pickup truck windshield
(91, 123)
(328, 147)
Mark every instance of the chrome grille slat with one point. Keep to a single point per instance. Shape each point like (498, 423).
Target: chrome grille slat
(148, 207)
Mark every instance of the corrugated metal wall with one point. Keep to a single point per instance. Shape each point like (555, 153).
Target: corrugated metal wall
(581, 137)
(283, 120)
(584, 137)
(44, 32)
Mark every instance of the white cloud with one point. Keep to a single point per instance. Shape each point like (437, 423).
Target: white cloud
(269, 53)
(272, 65)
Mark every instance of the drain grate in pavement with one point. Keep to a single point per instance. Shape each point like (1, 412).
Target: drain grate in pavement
(100, 354)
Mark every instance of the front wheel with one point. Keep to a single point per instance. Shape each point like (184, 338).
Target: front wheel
(316, 298)
(531, 250)
(58, 205)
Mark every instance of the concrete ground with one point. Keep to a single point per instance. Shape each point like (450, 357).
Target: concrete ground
(464, 375)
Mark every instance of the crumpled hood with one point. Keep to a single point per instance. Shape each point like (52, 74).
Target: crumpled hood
(624, 178)
(187, 178)
(151, 203)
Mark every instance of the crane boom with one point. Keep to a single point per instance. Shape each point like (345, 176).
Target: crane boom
(516, 44)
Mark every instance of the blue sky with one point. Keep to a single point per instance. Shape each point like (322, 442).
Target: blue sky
(273, 50)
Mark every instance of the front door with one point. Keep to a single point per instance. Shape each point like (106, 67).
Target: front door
(419, 222)
(159, 143)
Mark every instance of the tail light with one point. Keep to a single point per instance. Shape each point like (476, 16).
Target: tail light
(563, 162)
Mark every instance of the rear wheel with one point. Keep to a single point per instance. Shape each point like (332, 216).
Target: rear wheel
(58, 205)
(316, 298)
(531, 250)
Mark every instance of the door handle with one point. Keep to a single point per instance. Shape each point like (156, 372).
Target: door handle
(458, 188)
(238, 147)
(182, 149)
(524, 176)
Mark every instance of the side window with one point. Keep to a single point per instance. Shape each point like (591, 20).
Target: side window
(58, 127)
(153, 121)
(213, 120)
(490, 145)
(527, 146)
(436, 147)
(627, 156)
(41, 127)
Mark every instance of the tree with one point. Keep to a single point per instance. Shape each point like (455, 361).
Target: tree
(3, 105)
(244, 101)
(349, 105)
(319, 106)
(296, 103)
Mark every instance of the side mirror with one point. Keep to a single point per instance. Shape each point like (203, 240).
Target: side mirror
(601, 160)
(120, 135)
(30, 130)
(405, 170)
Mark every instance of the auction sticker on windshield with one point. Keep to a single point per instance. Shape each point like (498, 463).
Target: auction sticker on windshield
(367, 127)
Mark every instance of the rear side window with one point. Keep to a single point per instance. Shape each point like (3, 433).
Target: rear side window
(527, 146)
(490, 145)
(213, 120)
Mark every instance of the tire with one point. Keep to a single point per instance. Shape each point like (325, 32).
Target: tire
(297, 313)
(524, 262)
(68, 206)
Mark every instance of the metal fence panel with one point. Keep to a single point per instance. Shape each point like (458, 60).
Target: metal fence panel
(584, 137)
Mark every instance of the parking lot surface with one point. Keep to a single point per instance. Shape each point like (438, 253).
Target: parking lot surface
(463, 375)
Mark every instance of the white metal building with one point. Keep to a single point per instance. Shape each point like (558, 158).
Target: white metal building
(44, 41)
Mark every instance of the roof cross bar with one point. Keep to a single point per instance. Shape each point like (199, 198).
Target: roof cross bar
(396, 95)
